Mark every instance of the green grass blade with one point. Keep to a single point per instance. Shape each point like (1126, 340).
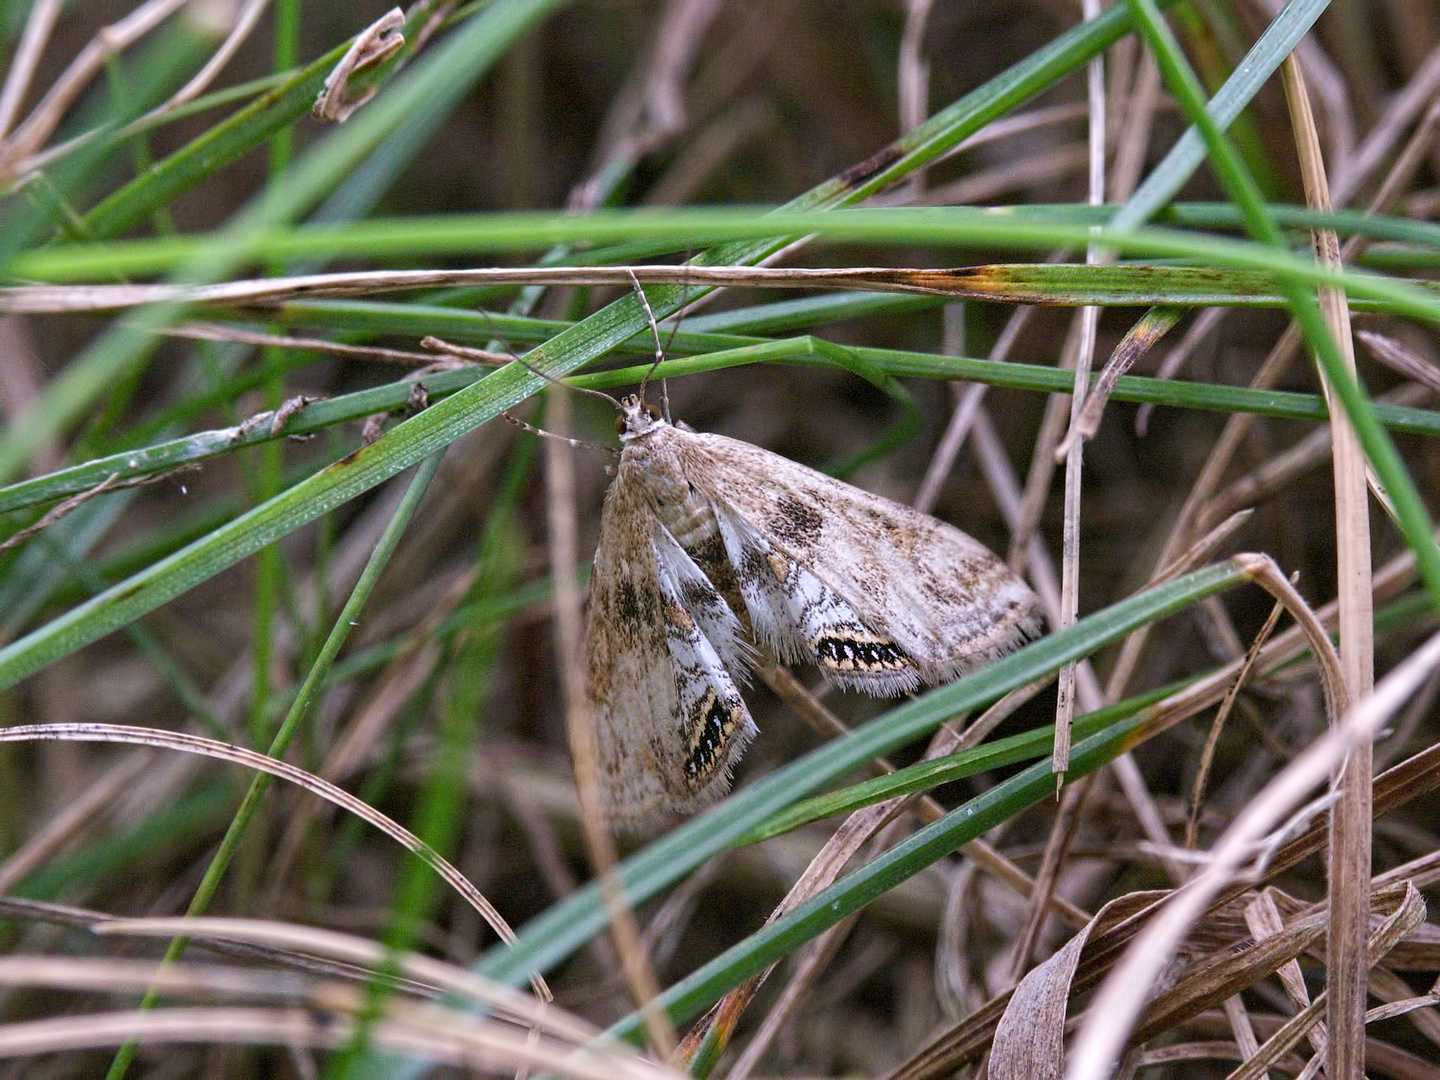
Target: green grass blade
(1411, 514)
(299, 710)
(439, 72)
(850, 894)
(1269, 51)
(444, 73)
(925, 775)
(205, 445)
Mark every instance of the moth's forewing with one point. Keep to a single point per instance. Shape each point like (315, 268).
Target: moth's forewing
(918, 587)
(669, 720)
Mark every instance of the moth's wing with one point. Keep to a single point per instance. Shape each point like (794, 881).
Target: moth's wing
(817, 557)
(670, 723)
(798, 617)
(684, 583)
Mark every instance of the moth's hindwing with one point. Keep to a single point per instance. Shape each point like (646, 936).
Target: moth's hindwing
(712, 721)
(696, 594)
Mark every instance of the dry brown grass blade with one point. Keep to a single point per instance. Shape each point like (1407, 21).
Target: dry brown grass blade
(1133, 141)
(1120, 998)
(1349, 861)
(440, 1036)
(966, 1040)
(38, 26)
(362, 952)
(1408, 914)
(1204, 984)
(195, 744)
(1028, 1038)
(87, 919)
(30, 135)
(1247, 1044)
(1391, 988)
(1397, 357)
(187, 978)
(1263, 571)
(1262, 916)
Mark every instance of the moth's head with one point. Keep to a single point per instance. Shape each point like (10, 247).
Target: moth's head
(637, 418)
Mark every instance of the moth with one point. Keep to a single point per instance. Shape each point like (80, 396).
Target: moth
(709, 547)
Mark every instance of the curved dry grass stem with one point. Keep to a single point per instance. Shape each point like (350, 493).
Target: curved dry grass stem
(335, 945)
(196, 744)
(1212, 738)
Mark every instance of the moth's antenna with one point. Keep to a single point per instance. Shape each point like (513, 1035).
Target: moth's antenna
(450, 348)
(675, 329)
(659, 349)
(578, 443)
(679, 315)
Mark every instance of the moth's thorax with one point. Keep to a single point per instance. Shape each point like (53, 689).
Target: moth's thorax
(652, 463)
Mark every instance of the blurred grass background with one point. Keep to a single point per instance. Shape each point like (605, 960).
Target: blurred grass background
(444, 708)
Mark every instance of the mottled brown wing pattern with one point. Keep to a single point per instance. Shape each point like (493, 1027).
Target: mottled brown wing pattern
(670, 722)
(699, 529)
(920, 588)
